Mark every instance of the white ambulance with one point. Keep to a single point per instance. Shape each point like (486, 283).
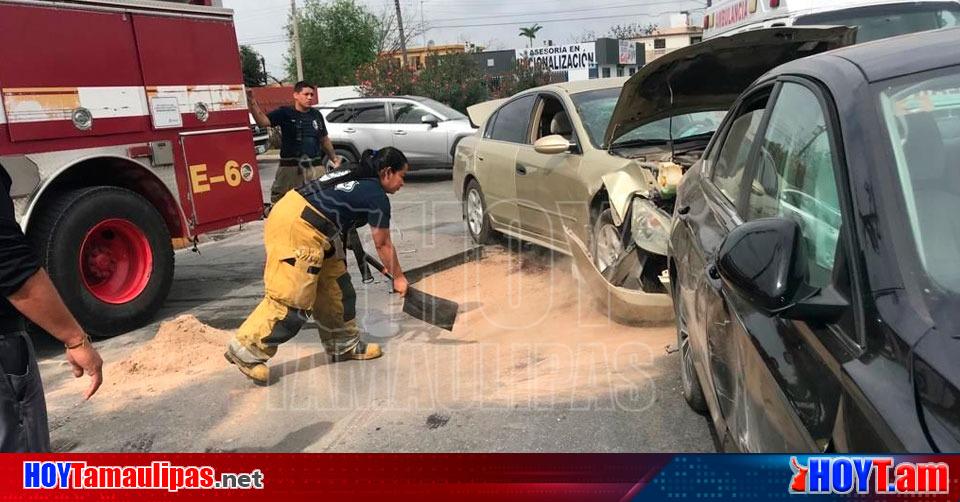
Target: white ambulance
(874, 19)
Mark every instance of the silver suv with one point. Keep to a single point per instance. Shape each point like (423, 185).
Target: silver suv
(427, 131)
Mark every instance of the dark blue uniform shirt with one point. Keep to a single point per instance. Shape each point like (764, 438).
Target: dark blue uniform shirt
(350, 204)
(300, 132)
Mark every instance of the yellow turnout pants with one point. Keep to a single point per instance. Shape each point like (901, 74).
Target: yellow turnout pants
(305, 274)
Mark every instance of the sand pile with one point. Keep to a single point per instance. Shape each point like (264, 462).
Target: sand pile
(182, 345)
(183, 352)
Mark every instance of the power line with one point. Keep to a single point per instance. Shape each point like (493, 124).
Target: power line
(516, 22)
(272, 42)
(572, 11)
(263, 38)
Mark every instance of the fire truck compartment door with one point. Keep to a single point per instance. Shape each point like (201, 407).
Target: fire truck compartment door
(68, 73)
(218, 179)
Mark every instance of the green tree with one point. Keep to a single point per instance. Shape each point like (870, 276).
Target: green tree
(453, 79)
(253, 73)
(336, 38)
(384, 77)
(525, 75)
(631, 30)
(530, 33)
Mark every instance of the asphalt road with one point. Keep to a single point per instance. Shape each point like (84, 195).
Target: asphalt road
(317, 406)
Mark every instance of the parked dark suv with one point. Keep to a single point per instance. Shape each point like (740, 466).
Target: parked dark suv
(815, 255)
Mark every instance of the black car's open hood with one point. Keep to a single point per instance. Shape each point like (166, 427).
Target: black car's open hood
(711, 75)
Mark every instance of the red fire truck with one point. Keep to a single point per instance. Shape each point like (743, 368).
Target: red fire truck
(124, 126)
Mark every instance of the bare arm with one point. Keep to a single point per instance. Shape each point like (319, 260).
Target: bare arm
(39, 301)
(258, 116)
(388, 256)
(329, 150)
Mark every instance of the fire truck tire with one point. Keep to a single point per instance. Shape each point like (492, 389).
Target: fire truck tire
(109, 253)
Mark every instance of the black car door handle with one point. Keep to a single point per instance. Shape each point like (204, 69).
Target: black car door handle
(713, 277)
(521, 170)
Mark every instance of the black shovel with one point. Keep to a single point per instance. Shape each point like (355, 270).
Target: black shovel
(439, 312)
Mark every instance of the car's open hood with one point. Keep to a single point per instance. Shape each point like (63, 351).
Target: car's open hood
(480, 112)
(711, 75)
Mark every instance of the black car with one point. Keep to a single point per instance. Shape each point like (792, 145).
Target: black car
(814, 255)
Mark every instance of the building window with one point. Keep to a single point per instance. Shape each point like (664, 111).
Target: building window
(619, 71)
(659, 43)
(632, 70)
(695, 40)
(490, 63)
(606, 72)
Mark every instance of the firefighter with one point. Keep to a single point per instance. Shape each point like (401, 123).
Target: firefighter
(26, 291)
(306, 270)
(303, 138)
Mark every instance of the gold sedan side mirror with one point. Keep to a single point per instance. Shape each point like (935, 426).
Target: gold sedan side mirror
(552, 145)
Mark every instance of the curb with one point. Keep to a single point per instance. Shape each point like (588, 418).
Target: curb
(417, 273)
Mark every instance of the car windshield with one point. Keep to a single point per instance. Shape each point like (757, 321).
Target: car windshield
(922, 118)
(881, 21)
(595, 109)
(683, 126)
(443, 109)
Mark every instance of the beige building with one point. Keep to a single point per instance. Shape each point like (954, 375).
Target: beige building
(665, 40)
(417, 56)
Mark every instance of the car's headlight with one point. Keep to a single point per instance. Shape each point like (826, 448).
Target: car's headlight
(649, 226)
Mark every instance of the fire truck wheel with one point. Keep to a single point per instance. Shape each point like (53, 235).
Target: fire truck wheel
(109, 253)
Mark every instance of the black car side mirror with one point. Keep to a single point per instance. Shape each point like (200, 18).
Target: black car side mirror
(765, 262)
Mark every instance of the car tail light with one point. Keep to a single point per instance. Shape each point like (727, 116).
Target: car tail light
(774, 4)
(706, 21)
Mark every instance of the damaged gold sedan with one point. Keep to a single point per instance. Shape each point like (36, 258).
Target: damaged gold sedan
(664, 121)
(591, 170)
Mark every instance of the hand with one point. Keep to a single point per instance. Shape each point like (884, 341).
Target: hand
(337, 160)
(400, 285)
(86, 359)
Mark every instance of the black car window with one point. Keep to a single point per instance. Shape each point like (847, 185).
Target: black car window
(342, 113)
(369, 113)
(488, 128)
(408, 113)
(795, 177)
(513, 121)
(731, 161)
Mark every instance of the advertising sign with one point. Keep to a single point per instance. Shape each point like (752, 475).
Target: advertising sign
(561, 57)
(628, 52)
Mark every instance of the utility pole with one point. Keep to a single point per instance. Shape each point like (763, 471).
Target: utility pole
(296, 37)
(263, 64)
(403, 36)
(423, 26)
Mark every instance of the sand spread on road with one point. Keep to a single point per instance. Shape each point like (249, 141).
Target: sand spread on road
(540, 336)
(527, 335)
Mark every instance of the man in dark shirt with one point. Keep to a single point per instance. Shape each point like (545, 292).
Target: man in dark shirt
(306, 270)
(26, 290)
(303, 136)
